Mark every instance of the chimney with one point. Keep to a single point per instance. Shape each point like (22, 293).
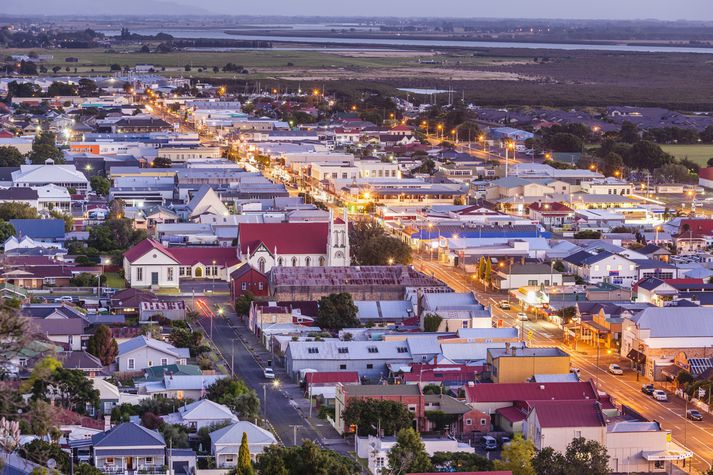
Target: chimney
(507, 347)
(514, 351)
(107, 423)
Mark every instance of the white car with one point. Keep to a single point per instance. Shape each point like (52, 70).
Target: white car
(64, 298)
(659, 395)
(615, 369)
(268, 373)
(521, 316)
(576, 371)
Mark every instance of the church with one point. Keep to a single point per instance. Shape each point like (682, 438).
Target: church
(310, 244)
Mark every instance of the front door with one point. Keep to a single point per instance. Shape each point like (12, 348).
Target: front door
(130, 464)
(154, 278)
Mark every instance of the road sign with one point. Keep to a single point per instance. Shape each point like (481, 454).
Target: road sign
(529, 334)
(701, 393)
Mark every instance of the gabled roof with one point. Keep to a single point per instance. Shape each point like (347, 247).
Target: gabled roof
(332, 377)
(205, 409)
(206, 201)
(81, 360)
(146, 246)
(651, 249)
(550, 208)
(128, 434)
(190, 256)
(143, 341)
(287, 238)
(504, 392)
(233, 435)
(554, 414)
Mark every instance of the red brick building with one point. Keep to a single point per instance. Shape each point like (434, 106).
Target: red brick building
(246, 279)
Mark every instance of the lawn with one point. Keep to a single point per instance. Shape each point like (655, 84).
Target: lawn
(114, 280)
(699, 153)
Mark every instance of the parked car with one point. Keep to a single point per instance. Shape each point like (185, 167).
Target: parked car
(268, 373)
(615, 369)
(659, 395)
(64, 298)
(576, 371)
(694, 415)
(521, 316)
(647, 389)
(489, 443)
(504, 304)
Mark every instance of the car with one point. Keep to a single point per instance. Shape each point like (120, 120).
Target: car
(647, 389)
(489, 443)
(576, 371)
(268, 373)
(521, 316)
(659, 395)
(504, 304)
(64, 298)
(694, 415)
(615, 369)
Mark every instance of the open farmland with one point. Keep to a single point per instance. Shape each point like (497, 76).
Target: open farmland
(699, 153)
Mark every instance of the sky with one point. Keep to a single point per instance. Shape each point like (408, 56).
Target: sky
(584, 9)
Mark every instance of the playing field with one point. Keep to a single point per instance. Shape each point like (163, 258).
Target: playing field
(699, 153)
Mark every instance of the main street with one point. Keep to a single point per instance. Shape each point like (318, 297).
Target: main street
(238, 347)
(624, 389)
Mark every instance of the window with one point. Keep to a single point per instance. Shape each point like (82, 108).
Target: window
(279, 261)
(402, 349)
(308, 261)
(577, 434)
(109, 461)
(342, 366)
(261, 265)
(139, 274)
(149, 363)
(313, 350)
(343, 350)
(149, 460)
(229, 459)
(169, 274)
(294, 262)
(322, 261)
(70, 339)
(532, 283)
(373, 349)
(465, 323)
(259, 285)
(244, 286)
(469, 422)
(164, 361)
(369, 366)
(130, 363)
(596, 267)
(483, 422)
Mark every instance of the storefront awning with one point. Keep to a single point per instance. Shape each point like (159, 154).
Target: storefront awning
(674, 452)
(637, 357)
(671, 371)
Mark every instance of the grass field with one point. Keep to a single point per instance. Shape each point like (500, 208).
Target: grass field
(114, 280)
(697, 153)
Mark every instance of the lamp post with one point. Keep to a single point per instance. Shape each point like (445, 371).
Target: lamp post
(508, 146)
(212, 274)
(275, 384)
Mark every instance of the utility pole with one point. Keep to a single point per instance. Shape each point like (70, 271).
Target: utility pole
(294, 433)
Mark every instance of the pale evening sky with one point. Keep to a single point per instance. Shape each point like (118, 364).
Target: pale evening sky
(601, 9)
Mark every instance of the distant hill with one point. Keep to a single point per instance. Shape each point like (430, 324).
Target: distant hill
(99, 7)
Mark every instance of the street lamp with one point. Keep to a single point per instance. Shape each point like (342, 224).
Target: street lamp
(508, 146)
(275, 385)
(391, 261)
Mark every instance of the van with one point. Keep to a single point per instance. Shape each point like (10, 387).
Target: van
(489, 443)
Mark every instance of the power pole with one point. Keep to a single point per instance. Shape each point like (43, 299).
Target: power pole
(294, 433)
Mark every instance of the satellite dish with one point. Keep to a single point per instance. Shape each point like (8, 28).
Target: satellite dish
(51, 464)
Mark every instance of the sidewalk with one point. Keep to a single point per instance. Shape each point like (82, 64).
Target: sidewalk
(292, 391)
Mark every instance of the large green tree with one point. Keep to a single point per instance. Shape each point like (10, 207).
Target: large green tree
(238, 396)
(43, 147)
(12, 210)
(371, 414)
(337, 311)
(11, 157)
(461, 462)
(6, 231)
(371, 246)
(40, 451)
(408, 455)
(100, 185)
(245, 465)
(581, 456)
(68, 388)
(307, 458)
(114, 235)
(517, 457)
(103, 345)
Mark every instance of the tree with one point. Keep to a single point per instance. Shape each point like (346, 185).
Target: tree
(245, 466)
(115, 67)
(307, 458)
(517, 457)
(461, 462)
(549, 462)
(629, 133)
(586, 456)
(61, 89)
(370, 245)
(565, 142)
(161, 162)
(41, 416)
(481, 268)
(673, 173)
(371, 414)
(431, 322)
(646, 155)
(11, 210)
(85, 279)
(337, 311)
(86, 469)
(100, 185)
(612, 162)
(44, 147)
(243, 303)
(234, 393)
(11, 157)
(408, 455)
(69, 388)
(42, 370)
(40, 452)
(488, 271)
(103, 345)
(87, 88)
(587, 234)
(67, 218)
(7, 230)
(174, 435)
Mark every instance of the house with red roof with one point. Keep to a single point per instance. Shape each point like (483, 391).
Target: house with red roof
(555, 423)
(149, 264)
(551, 214)
(294, 244)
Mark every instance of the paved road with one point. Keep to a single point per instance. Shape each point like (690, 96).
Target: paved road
(283, 408)
(626, 389)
